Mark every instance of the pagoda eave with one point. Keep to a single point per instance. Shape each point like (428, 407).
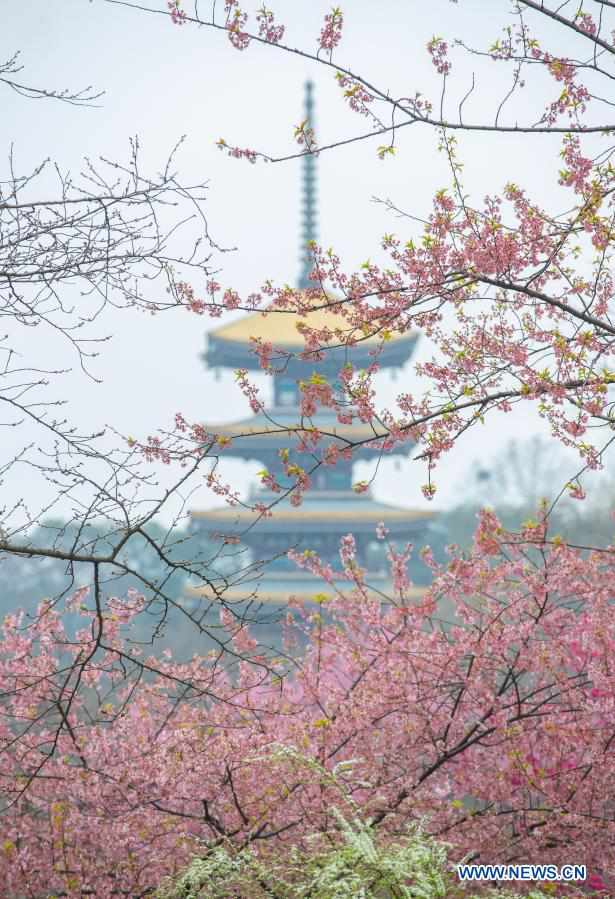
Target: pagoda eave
(308, 591)
(228, 521)
(223, 353)
(251, 444)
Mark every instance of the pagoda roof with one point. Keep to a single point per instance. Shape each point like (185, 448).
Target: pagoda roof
(280, 327)
(321, 511)
(231, 343)
(278, 587)
(272, 430)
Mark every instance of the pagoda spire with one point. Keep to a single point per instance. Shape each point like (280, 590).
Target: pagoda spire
(309, 224)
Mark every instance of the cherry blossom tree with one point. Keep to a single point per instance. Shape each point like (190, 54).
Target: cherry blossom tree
(494, 733)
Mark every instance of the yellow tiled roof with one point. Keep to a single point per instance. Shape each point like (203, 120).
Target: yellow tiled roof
(300, 514)
(344, 432)
(278, 595)
(280, 327)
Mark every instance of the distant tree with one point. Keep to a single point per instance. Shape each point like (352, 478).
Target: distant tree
(518, 481)
(150, 563)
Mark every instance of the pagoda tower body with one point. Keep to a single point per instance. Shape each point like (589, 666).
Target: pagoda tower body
(331, 508)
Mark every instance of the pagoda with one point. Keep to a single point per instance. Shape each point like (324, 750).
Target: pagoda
(330, 508)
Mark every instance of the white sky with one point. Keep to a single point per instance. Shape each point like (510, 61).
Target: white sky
(162, 82)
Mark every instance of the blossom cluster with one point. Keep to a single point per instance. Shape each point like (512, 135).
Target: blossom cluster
(331, 33)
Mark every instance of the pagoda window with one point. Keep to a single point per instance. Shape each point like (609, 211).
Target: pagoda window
(337, 478)
(286, 392)
(376, 557)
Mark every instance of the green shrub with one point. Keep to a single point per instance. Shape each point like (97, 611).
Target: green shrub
(351, 862)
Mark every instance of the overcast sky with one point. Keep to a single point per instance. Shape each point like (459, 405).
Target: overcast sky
(162, 82)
